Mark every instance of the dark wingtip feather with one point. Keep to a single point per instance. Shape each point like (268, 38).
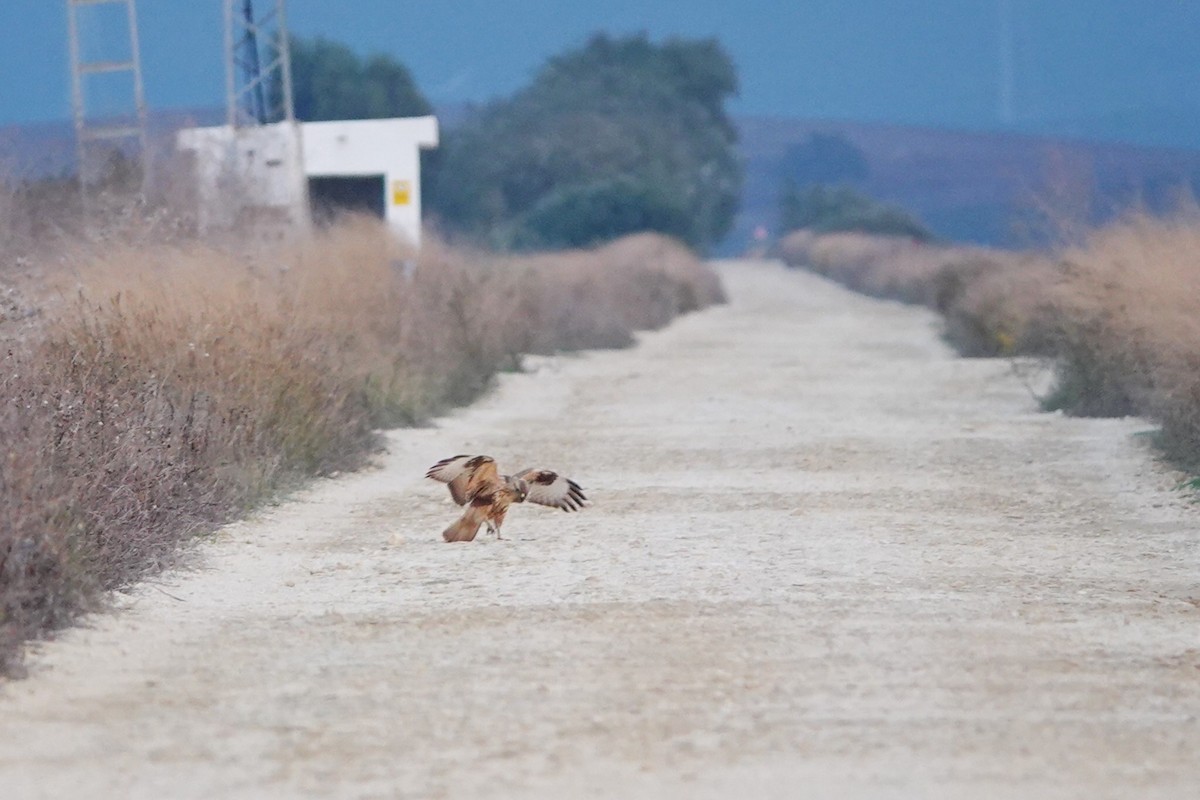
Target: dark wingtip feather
(575, 498)
(444, 462)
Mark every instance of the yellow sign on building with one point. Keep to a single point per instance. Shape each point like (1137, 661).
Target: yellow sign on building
(401, 193)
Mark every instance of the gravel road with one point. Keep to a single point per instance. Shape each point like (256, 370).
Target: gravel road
(824, 558)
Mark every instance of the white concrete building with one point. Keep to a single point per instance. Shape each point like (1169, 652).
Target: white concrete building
(278, 172)
(253, 178)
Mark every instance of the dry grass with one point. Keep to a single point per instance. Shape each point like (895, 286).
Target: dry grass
(166, 388)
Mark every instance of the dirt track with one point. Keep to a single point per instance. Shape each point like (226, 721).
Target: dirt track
(825, 558)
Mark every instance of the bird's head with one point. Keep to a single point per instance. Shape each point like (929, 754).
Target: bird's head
(519, 487)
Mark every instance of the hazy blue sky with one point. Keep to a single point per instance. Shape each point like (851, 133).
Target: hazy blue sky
(1108, 67)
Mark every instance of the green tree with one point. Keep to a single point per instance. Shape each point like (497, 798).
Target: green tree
(826, 209)
(625, 126)
(330, 82)
(582, 215)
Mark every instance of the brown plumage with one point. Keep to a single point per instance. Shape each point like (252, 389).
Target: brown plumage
(475, 482)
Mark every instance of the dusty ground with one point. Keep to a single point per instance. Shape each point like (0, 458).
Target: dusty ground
(825, 558)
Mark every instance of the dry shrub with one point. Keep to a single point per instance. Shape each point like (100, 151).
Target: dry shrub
(1127, 308)
(995, 303)
(169, 387)
(597, 298)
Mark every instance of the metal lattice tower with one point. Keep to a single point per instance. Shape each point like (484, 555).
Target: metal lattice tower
(258, 75)
(96, 54)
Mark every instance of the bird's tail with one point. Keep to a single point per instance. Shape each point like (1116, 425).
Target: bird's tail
(467, 526)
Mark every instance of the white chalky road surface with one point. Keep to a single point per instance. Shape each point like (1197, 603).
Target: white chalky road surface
(825, 559)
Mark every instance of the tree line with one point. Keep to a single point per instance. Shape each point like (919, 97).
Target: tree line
(619, 135)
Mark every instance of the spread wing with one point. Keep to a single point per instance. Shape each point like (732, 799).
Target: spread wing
(551, 489)
(464, 474)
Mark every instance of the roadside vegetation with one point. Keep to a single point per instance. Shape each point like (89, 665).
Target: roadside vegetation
(1117, 310)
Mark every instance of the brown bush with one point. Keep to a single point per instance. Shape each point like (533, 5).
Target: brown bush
(597, 298)
(995, 303)
(1128, 311)
(167, 388)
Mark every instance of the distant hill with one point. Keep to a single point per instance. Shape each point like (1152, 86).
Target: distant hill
(968, 186)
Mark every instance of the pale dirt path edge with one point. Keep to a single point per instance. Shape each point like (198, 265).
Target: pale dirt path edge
(824, 556)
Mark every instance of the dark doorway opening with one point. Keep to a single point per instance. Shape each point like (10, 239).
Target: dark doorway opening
(332, 197)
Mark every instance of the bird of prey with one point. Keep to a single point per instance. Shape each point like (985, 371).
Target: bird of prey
(475, 483)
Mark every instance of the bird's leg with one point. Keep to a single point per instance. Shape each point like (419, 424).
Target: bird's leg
(496, 522)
